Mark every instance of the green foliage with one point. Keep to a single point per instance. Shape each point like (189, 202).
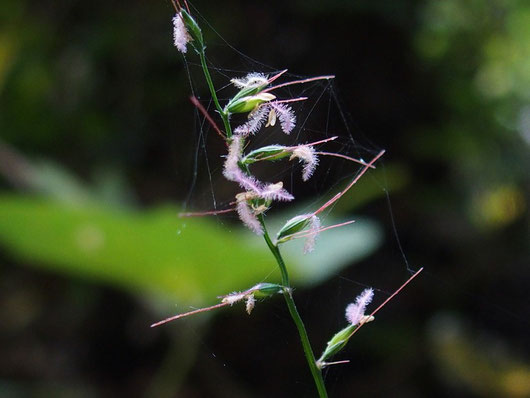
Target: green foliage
(480, 52)
(190, 260)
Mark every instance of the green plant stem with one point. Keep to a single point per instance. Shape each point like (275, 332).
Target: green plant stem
(308, 351)
(222, 113)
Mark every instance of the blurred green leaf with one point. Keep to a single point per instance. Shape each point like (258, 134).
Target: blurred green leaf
(190, 260)
(55, 181)
(334, 249)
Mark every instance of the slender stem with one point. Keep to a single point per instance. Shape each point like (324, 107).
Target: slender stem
(222, 113)
(308, 351)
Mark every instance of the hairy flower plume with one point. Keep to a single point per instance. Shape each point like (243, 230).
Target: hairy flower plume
(314, 227)
(276, 192)
(286, 116)
(355, 311)
(233, 172)
(306, 154)
(181, 37)
(250, 303)
(247, 216)
(256, 119)
(251, 80)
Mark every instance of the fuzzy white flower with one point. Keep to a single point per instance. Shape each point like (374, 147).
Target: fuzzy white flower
(276, 192)
(355, 311)
(256, 119)
(233, 298)
(181, 37)
(233, 172)
(306, 154)
(248, 217)
(251, 80)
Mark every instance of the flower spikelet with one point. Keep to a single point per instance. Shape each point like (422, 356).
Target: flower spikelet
(306, 154)
(233, 172)
(181, 37)
(247, 216)
(286, 116)
(256, 119)
(355, 311)
(314, 227)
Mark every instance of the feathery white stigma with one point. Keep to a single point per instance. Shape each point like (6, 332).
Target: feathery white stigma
(355, 311)
(306, 154)
(314, 229)
(250, 303)
(276, 192)
(256, 118)
(233, 298)
(286, 116)
(247, 216)
(250, 80)
(232, 170)
(181, 37)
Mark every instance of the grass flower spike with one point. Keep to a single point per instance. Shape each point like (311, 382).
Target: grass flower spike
(355, 311)
(254, 96)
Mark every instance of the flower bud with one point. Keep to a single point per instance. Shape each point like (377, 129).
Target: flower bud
(337, 343)
(248, 103)
(263, 290)
(294, 225)
(250, 85)
(269, 152)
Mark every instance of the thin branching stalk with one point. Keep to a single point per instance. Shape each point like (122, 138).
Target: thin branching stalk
(304, 338)
(265, 110)
(213, 93)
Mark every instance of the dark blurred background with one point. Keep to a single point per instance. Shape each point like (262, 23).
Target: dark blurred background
(97, 148)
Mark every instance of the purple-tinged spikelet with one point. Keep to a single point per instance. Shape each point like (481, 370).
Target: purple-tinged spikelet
(306, 154)
(314, 227)
(286, 116)
(355, 311)
(181, 37)
(233, 172)
(247, 216)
